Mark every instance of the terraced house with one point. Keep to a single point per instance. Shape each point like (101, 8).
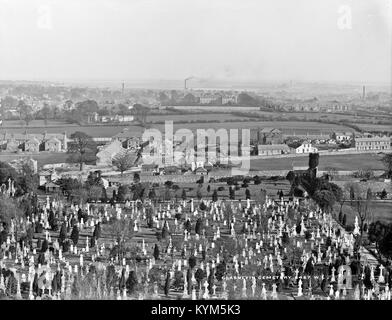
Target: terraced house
(33, 142)
(373, 143)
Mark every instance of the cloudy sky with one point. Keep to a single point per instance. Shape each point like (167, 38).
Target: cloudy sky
(308, 40)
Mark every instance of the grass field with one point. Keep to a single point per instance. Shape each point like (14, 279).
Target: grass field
(287, 127)
(194, 117)
(339, 162)
(376, 127)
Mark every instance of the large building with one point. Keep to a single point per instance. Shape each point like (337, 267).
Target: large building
(272, 149)
(373, 143)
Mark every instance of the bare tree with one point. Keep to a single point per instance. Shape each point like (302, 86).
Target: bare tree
(360, 201)
(124, 161)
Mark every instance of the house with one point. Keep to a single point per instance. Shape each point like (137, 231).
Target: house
(108, 152)
(12, 146)
(208, 166)
(53, 145)
(46, 176)
(373, 143)
(128, 139)
(172, 170)
(32, 145)
(208, 99)
(123, 118)
(272, 149)
(269, 136)
(14, 141)
(306, 147)
(229, 100)
(51, 187)
(201, 171)
(342, 136)
(149, 168)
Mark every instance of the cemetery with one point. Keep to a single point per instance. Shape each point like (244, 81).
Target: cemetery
(276, 248)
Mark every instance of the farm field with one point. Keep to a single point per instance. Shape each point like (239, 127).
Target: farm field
(194, 117)
(339, 162)
(375, 127)
(287, 127)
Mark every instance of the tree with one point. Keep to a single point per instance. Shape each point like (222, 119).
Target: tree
(122, 193)
(383, 194)
(69, 186)
(75, 235)
(25, 112)
(231, 193)
(199, 195)
(387, 161)
(45, 111)
(192, 262)
(215, 196)
(199, 226)
(325, 199)
(152, 195)
(9, 208)
(376, 232)
(183, 195)
(256, 180)
(95, 193)
(247, 194)
(122, 110)
(124, 162)
(28, 180)
(7, 172)
(385, 244)
(82, 149)
(344, 220)
(360, 200)
(156, 252)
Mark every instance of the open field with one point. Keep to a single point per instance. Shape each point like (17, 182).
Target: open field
(287, 127)
(375, 127)
(194, 117)
(339, 162)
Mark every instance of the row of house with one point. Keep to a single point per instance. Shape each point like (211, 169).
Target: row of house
(33, 142)
(277, 149)
(218, 99)
(372, 143)
(95, 117)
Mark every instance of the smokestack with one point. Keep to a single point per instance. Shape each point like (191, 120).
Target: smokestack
(363, 93)
(122, 88)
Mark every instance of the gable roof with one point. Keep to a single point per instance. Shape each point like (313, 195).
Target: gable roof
(270, 130)
(273, 147)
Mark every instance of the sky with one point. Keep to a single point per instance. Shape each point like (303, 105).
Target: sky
(232, 40)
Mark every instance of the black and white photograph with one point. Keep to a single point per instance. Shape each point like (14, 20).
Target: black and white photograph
(194, 151)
